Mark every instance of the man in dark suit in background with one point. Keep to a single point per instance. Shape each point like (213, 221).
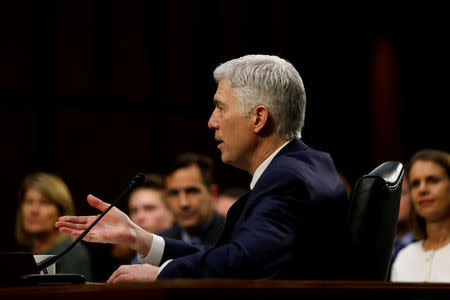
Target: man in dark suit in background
(191, 195)
(292, 222)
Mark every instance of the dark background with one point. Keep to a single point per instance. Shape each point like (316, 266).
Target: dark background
(96, 91)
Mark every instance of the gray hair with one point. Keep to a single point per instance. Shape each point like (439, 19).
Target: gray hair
(270, 81)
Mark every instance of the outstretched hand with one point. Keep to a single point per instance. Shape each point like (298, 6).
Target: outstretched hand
(115, 227)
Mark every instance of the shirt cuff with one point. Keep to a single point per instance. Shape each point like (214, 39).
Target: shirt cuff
(164, 265)
(156, 252)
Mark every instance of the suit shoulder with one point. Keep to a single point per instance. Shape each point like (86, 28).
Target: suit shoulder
(303, 160)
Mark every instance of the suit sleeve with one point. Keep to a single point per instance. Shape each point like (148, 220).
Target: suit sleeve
(261, 242)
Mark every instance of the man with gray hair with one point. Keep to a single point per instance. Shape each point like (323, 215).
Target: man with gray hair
(292, 222)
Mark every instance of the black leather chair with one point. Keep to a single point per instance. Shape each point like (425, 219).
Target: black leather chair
(374, 206)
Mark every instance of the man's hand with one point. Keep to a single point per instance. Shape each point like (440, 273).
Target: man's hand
(134, 273)
(115, 228)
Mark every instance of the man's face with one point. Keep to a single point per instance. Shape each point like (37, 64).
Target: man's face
(147, 209)
(233, 131)
(190, 200)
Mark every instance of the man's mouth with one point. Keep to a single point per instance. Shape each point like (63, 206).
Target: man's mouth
(185, 214)
(218, 142)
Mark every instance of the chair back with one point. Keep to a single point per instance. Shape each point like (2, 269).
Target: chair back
(373, 215)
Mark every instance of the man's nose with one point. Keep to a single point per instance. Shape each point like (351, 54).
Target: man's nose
(183, 199)
(212, 122)
(140, 215)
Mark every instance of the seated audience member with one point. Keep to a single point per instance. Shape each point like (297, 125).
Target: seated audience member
(191, 194)
(43, 198)
(277, 229)
(227, 197)
(403, 235)
(428, 258)
(148, 208)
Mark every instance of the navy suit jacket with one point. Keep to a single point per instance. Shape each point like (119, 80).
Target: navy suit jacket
(292, 225)
(209, 235)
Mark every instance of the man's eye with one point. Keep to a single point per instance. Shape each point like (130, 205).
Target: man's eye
(149, 208)
(433, 179)
(192, 191)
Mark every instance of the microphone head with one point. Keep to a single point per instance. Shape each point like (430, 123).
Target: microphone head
(138, 179)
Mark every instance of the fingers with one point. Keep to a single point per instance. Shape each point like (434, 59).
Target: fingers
(90, 237)
(97, 203)
(135, 273)
(71, 225)
(73, 219)
(122, 274)
(70, 231)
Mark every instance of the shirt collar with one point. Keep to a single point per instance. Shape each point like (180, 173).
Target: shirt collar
(262, 167)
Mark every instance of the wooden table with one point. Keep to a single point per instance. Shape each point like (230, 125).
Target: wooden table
(232, 290)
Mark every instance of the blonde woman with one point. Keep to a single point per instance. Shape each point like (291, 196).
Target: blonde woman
(43, 198)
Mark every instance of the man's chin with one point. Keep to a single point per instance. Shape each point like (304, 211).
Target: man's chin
(229, 161)
(225, 158)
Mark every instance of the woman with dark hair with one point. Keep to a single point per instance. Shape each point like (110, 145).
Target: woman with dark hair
(427, 259)
(43, 198)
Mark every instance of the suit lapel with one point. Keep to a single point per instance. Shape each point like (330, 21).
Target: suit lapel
(233, 215)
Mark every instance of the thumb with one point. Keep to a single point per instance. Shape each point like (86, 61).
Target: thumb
(97, 203)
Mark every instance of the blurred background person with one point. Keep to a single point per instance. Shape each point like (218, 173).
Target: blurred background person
(148, 208)
(227, 197)
(43, 198)
(428, 258)
(191, 194)
(403, 235)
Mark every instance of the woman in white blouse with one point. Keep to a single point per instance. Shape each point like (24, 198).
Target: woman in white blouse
(427, 259)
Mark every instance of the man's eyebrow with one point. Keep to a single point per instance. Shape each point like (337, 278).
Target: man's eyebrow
(217, 101)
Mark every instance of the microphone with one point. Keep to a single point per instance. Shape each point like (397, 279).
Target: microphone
(137, 180)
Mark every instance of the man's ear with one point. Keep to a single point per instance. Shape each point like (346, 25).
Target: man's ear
(260, 118)
(213, 191)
